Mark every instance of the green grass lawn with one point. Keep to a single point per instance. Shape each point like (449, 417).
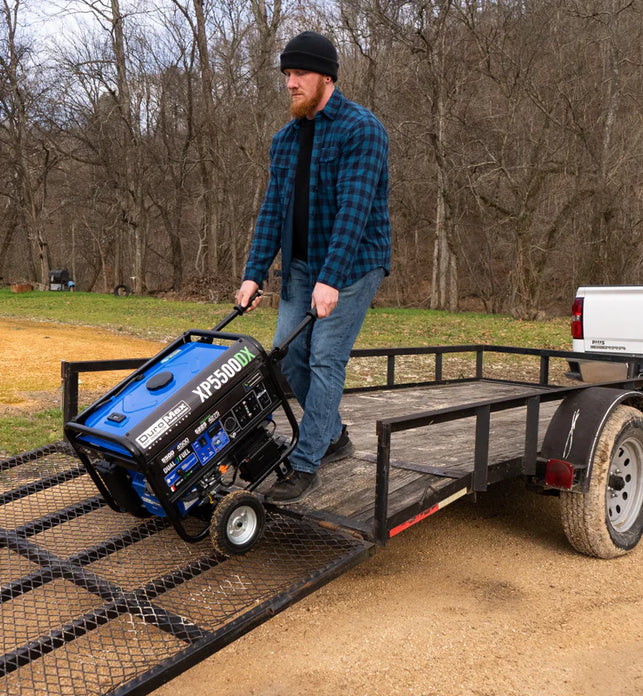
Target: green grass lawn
(158, 319)
(149, 317)
(22, 433)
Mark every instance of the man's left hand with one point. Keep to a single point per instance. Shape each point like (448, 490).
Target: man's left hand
(324, 299)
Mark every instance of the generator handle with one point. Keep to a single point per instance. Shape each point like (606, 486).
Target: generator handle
(237, 311)
(278, 352)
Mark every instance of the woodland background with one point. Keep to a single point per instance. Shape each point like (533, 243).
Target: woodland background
(134, 141)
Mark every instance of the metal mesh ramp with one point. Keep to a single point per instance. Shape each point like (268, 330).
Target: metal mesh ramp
(97, 602)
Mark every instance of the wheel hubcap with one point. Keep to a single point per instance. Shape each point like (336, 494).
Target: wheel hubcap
(242, 525)
(624, 495)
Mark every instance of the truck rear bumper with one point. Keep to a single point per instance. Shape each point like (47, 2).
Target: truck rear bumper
(595, 371)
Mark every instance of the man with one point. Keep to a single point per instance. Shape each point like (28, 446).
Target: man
(326, 209)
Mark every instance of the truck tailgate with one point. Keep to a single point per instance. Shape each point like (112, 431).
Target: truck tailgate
(612, 319)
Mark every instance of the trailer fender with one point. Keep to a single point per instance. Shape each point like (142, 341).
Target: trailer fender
(576, 425)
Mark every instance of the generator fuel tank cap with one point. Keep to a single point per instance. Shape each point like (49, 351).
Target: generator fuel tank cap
(158, 381)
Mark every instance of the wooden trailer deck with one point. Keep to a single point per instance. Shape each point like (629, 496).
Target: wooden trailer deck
(427, 464)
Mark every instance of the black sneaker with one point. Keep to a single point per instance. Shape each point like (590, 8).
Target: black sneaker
(340, 449)
(293, 488)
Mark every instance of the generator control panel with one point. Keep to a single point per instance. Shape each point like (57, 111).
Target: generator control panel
(204, 444)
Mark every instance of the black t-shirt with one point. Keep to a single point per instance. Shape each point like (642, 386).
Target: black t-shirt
(302, 188)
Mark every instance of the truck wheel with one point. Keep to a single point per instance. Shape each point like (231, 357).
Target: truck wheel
(237, 523)
(607, 520)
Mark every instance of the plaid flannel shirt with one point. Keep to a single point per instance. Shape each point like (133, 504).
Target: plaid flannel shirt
(349, 231)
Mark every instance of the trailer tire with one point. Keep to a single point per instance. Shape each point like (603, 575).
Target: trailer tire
(122, 291)
(607, 520)
(237, 523)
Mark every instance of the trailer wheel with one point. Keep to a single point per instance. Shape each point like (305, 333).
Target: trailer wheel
(237, 523)
(607, 520)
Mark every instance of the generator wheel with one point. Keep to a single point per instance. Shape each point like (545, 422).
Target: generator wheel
(607, 520)
(237, 523)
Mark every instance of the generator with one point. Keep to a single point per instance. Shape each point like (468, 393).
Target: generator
(192, 433)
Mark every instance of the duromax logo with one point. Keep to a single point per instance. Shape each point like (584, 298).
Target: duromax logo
(177, 413)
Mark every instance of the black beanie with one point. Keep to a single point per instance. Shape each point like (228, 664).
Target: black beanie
(310, 51)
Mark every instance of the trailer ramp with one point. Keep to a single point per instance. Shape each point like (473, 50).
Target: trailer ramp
(97, 602)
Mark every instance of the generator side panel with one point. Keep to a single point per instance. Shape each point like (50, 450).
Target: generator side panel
(229, 426)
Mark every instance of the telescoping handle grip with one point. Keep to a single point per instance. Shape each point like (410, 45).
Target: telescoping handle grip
(236, 312)
(278, 352)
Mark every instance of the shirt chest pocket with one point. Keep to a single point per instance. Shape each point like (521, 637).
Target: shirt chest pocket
(328, 167)
(281, 170)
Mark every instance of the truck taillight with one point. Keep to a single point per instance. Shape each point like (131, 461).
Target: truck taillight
(577, 318)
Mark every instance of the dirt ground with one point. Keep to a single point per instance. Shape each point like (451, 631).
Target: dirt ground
(483, 599)
(31, 356)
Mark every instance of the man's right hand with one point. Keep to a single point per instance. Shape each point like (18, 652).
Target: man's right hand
(246, 291)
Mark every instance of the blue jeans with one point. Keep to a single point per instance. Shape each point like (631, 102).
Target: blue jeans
(315, 365)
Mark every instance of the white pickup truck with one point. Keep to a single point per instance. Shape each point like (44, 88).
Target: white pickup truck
(609, 320)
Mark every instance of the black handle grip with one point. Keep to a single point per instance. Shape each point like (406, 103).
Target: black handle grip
(236, 312)
(241, 310)
(279, 351)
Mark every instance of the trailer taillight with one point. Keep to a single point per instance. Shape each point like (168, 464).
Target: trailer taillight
(577, 318)
(559, 474)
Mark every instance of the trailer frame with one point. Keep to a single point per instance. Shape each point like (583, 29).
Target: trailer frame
(529, 464)
(324, 543)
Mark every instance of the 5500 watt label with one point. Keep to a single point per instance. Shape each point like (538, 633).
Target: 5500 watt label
(222, 375)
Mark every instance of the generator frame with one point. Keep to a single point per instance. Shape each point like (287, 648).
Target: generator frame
(93, 445)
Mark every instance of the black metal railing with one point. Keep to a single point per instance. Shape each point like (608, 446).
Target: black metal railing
(543, 392)
(478, 351)
(70, 371)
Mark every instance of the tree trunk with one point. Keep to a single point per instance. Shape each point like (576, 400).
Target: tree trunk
(29, 192)
(206, 140)
(131, 189)
(444, 287)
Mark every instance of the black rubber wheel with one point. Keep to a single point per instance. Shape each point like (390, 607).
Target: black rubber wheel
(607, 520)
(122, 291)
(237, 523)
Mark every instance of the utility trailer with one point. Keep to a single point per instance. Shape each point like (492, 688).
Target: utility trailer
(453, 437)
(443, 423)
(431, 441)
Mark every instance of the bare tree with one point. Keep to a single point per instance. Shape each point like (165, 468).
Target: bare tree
(610, 136)
(118, 97)
(171, 152)
(532, 177)
(432, 75)
(29, 159)
(515, 140)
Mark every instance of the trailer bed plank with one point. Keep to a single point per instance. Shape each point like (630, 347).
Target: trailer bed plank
(347, 495)
(347, 486)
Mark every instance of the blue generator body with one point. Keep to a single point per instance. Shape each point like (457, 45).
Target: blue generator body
(191, 425)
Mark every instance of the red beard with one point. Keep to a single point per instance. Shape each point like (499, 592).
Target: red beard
(301, 106)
